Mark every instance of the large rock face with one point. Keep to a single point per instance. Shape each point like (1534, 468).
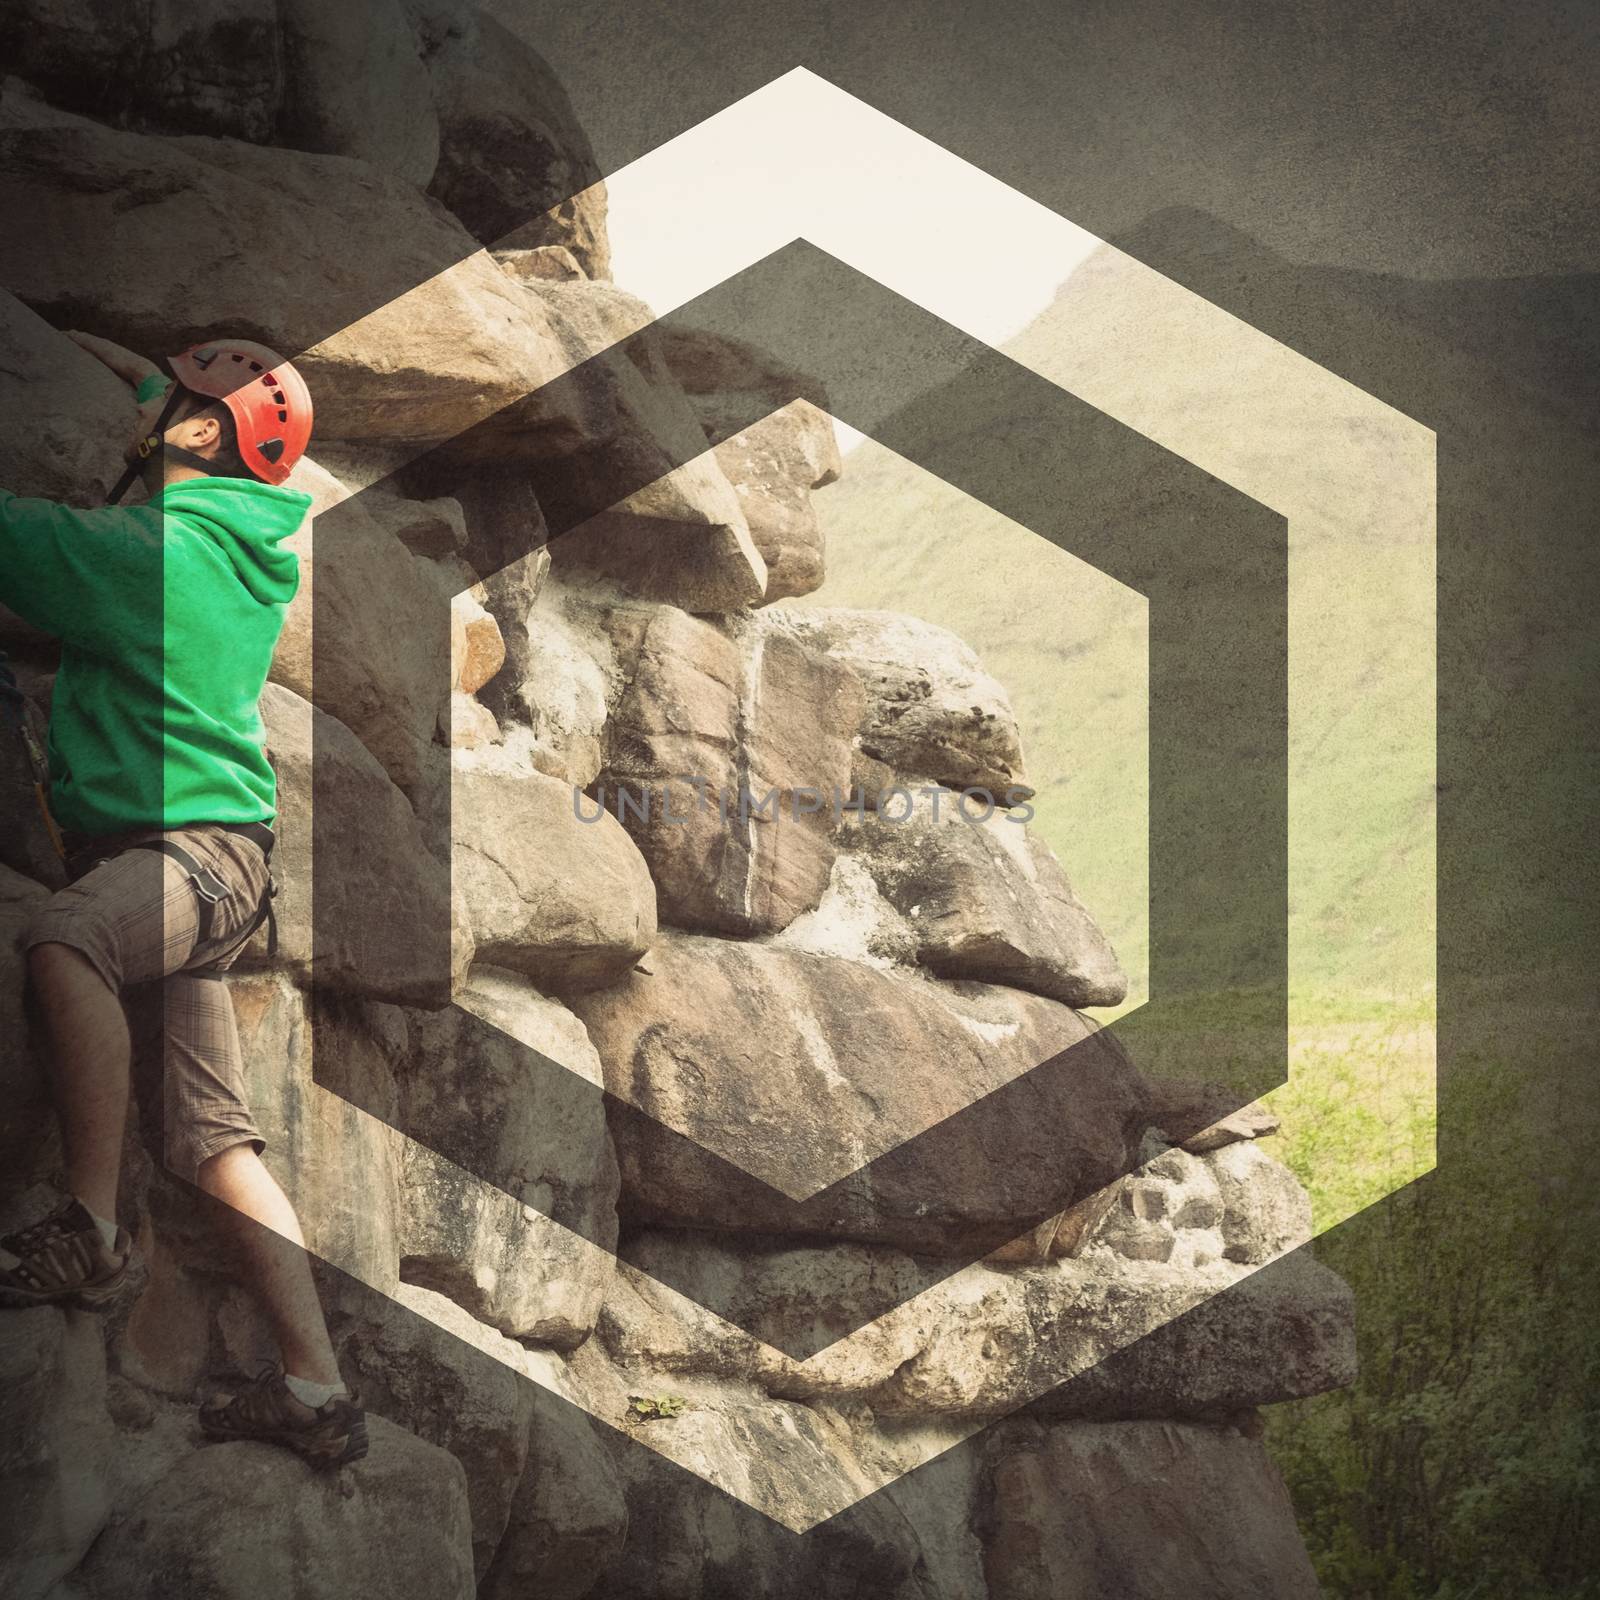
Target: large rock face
(566, 902)
(79, 416)
(383, 926)
(675, 1186)
(250, 1520)
(481, 1194)
(338, 1164)
(25, 1113)
(409, 334)
(1158, 1509)
(986, 899)
(725, 753)
(801, 1070)
(355, 86)
(932, 712)
(54, 1437)
(376, 615)
(513, 163)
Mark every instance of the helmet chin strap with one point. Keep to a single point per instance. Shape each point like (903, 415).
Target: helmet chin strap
(148, 446)
(187, 458)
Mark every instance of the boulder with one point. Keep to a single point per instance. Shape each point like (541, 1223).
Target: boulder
(563, 689)
(797, 1071)
(26, 1118)
(1098, 1335)
(355, 86)
(249, 1520)
(647, 507)
(1284, 1331)
(510, 597)
(1266, 1210)
(1206, 1116)
(384, 919)
(724, 757)
(986, 899)
(407, 333)
(545, 263)
(1139, 1511)
(430, 528)
(381, 630)
(511, 1183)
(1170, 1210)
(470, 725)
(568, 903)
(477, 649)
(55, 1437)
(514, 163)
(732, 385)
(568, 1517)
(773, 466)
(457, 1384)
(932, 712)
(180, 68)
(70, 419)
(786, 1468)
(339, 1164)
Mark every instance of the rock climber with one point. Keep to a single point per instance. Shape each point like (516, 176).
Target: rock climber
(167, 613)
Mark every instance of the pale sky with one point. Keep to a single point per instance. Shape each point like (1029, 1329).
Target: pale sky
(854, 182)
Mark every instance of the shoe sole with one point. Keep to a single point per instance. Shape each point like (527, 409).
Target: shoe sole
(97, 1297)
(324, 1454)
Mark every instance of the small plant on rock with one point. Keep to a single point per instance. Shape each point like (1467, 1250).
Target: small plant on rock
(646, 1408)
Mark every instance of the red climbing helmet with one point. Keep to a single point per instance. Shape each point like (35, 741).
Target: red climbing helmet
(269, 400)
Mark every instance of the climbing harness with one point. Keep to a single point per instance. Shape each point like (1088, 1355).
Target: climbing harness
(209, 889)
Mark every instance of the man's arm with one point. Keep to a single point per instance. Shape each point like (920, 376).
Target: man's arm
(75, 573)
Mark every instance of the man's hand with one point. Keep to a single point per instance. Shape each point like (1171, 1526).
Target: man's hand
(132, 369)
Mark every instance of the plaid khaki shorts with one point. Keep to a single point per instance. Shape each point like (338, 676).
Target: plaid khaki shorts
(136, 916)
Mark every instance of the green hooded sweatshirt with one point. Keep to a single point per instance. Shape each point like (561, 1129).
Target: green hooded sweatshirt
(167, 613)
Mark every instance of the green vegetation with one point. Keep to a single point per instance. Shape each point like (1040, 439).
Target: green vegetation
(647, 1408)
(1462, 1465)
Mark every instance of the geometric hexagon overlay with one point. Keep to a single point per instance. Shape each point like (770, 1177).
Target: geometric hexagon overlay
(1356, 468)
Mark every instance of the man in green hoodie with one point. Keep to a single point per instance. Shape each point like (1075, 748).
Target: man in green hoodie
(168, 613)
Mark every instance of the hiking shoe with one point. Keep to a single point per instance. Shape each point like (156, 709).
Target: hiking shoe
(329, 1436)
(63, 1259)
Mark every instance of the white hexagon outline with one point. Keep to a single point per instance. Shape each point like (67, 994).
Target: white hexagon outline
(1347, 440)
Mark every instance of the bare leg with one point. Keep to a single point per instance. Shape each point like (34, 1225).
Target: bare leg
(268, 1236)
(89, 1052)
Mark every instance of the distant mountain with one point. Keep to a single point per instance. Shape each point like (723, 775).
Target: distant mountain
(1068, 643)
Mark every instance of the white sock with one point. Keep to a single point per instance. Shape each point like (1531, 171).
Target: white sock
(108, 1230)
(315, 1395)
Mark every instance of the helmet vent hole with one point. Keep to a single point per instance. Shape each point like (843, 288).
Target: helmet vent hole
(283, 416)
